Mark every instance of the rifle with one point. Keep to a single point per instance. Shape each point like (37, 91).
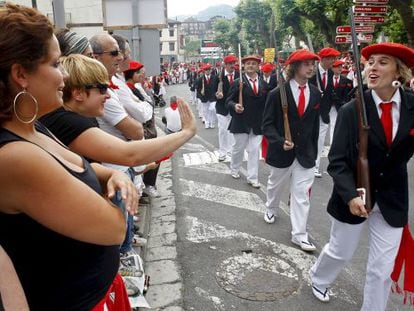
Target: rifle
(363, 183)
(240, 79)
(316, 63)
(283, 97)
(219, 93)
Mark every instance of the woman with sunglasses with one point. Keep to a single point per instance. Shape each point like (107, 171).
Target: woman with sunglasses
(84, 96)
(390, 115)
(57, 223)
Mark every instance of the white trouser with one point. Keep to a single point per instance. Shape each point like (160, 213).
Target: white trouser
(323, 128)
(332, 117)
(252, 142)
(225, 138)
(200, 108)
(384, 242)
(209, 111)
(300, 183)
(193, 97)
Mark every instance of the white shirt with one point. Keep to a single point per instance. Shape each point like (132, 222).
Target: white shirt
(136, 109)
(173, 119)
(255, 81)
(294, 86)
(227, 74)
(321, 72)
(395, 112)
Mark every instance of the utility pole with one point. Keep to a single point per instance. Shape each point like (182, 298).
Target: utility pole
(34, 4)
(59, 13)
(135, 30)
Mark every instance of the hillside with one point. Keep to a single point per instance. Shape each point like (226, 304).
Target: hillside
(204, 15)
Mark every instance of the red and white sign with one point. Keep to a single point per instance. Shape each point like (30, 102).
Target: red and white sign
(369, 19)
(358, 29)
(372, 1)
(348, 39)
(381, 9)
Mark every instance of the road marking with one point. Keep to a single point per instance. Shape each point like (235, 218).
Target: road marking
(223, 195)
(218, 305)
(194, 147)
(216, 168)
(199, 158)
(205, 232)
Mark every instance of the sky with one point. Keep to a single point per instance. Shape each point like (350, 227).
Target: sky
(192, 7)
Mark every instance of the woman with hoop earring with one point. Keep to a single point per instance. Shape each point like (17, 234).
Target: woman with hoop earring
(57, 222)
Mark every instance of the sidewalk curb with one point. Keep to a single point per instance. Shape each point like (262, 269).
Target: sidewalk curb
(160, 254)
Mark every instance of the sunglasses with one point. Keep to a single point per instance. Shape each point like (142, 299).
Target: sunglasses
(113, 53)
(102, 88)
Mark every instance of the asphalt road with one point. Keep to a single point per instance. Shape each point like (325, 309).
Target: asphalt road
(230, 258)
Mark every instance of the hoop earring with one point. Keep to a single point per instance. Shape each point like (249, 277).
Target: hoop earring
(396, 84)
(16, 111)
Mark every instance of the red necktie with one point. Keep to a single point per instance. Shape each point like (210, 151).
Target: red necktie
(324, 79)
(301, 103)
(230, 78)
(254, 86)
(386, 120)
(336, 82)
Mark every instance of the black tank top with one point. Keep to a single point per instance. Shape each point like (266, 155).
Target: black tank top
(57, 272)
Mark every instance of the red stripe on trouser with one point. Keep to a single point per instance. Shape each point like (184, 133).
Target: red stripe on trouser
(118, 301)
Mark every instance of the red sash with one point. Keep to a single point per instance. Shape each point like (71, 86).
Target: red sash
(116, 299)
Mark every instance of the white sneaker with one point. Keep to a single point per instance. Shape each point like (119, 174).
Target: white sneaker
(317, 173)
(212, 125)
(322, 295)
(254, 184)
(269, 218)
(152, 192)
(235, 175)
(304, 245)
(206, 125)
(222, 158)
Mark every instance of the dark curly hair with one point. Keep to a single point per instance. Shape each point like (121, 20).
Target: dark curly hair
(24, 39)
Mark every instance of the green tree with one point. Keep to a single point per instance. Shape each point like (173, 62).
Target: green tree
(191, 48)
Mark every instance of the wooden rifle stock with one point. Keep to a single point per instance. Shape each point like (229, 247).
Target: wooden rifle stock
(240, 78)
(284, 102)
(363, 179)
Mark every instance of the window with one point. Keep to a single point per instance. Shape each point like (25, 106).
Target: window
(160, 47)
(171, 32)
(172, 46)
(160, 33)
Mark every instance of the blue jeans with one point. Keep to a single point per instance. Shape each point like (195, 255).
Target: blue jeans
(129, 235)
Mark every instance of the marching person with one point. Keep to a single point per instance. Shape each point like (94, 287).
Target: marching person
(205, 87)
(293, 159)
(227, 77)
(390, 115)
(246, 119)
(341, 88)
(268, 76)
(323, 79)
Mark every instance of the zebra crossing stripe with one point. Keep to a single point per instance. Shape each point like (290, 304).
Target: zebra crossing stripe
(223, 195)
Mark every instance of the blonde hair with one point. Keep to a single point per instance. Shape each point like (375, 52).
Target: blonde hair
(403, 71)
(82, 71)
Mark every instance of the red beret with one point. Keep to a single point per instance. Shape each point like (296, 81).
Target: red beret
(328, 52)
(200, 70)
(134, 65)
(282, 60)
(251, 57)
(230, 59)
(405, 54)
(338, 63)
(344, 71)
(301, 55)
(218, 64)
(268, 67)
(236, 66)
(207, 67)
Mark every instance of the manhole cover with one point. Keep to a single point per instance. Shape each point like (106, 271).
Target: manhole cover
(257, 277)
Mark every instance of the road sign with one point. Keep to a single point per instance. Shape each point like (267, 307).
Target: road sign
(358, 29)
(269, 55)
(369, 19)
(380, 9)
(348, 39)
(372, 1)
